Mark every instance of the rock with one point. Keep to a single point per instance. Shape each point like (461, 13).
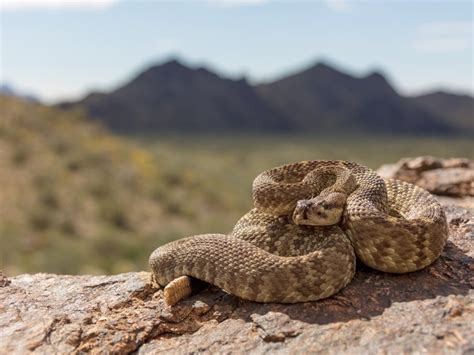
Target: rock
(430, 311)
(466, 202)
(450, 181)
(448, 177)
(276, 327)
(4, 281)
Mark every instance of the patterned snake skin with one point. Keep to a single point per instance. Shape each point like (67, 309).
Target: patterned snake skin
(272, 255)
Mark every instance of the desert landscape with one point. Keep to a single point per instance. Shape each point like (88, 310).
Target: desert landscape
(126, 125)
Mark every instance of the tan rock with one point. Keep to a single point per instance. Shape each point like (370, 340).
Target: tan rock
(446, 177)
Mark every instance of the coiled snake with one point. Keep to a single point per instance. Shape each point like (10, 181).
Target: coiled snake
(311, 219)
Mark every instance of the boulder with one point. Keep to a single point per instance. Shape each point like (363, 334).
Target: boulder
(447, 177)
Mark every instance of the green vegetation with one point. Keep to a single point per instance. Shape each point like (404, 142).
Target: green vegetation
(222, 169)
(75, 199)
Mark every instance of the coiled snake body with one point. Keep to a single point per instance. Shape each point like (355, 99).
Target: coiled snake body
(311, 219)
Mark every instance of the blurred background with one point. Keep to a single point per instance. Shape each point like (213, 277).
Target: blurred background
(125, 124)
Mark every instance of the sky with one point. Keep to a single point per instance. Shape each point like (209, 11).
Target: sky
(60, 50)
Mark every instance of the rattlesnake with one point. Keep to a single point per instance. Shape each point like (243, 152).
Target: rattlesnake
(299, 243)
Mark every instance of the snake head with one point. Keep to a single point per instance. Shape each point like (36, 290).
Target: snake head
(321, 210)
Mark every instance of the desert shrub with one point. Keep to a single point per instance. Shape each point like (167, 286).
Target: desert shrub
(20, 155)
(49, 199)
(40, 220)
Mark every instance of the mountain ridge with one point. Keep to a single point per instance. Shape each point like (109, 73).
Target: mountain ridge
(458, 106)
(8, 90)
(161, 96)
(173, 97)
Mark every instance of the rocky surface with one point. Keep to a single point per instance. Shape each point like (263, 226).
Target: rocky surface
(430, 311)
(445, 177)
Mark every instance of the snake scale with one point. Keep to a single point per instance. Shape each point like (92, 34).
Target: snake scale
(299, 243)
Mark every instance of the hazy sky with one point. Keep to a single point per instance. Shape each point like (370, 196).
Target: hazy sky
(62, 49)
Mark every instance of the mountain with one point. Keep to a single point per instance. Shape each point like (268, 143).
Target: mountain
(173, 97)
(322, 98)
(8, 90)
(452, 107)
